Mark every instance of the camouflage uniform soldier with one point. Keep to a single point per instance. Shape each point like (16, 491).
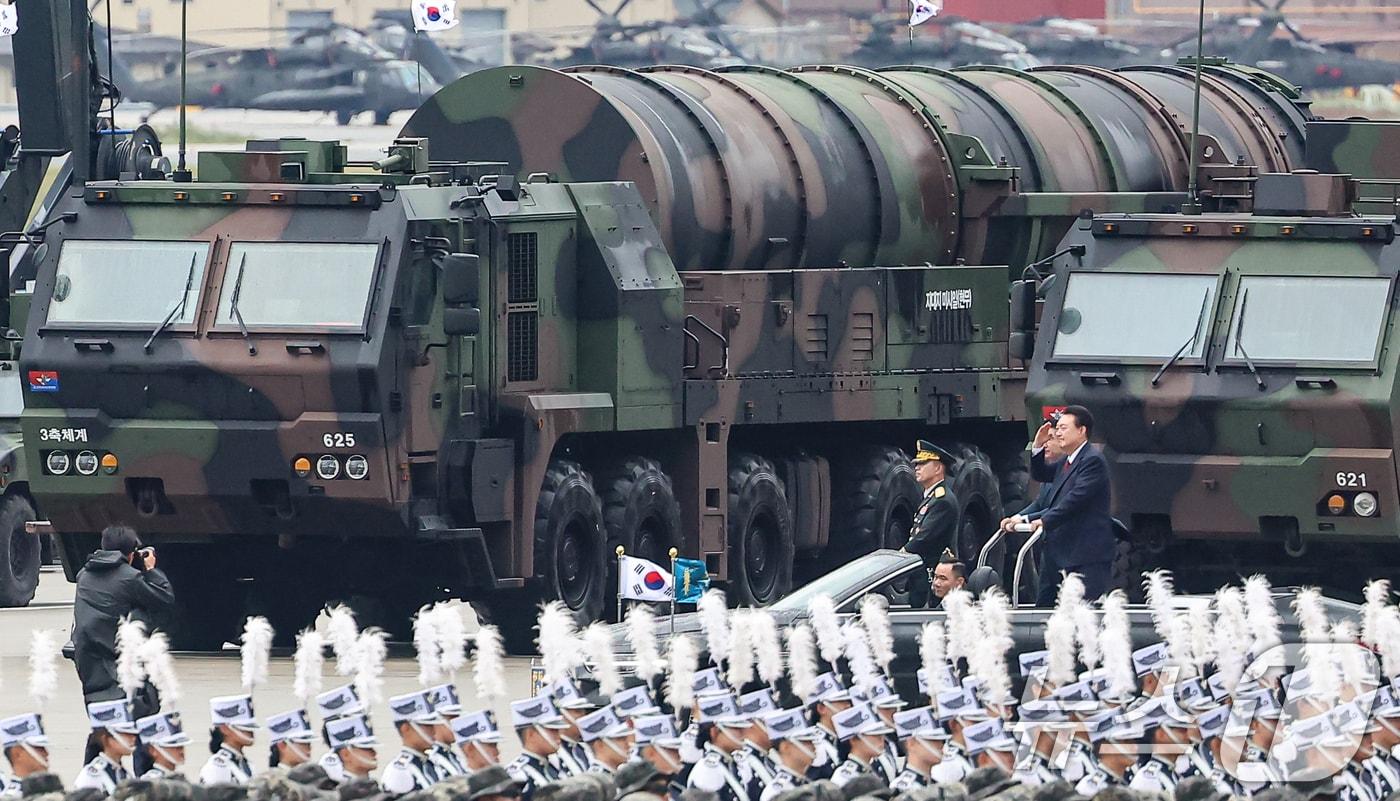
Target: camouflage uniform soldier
(936, 521)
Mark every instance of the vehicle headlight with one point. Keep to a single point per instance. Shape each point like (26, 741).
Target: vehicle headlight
(357, 467)
(58, 462)
(328, 467)
(1365, 504)
(86, 463)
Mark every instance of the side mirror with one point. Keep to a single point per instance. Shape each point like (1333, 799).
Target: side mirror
(461, 278)
(1022, 306)
(461, 322)
(1021, 345)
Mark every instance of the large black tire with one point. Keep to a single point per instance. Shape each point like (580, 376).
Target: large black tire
(209, 602)
(640, 513)
(875, 500)
(19, 553)
(570, 548)
(515, 614)
(979, 495)
(760, 533)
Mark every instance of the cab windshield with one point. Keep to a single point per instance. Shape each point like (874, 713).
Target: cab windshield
(1150, 316)
(297, 285)
(127, 283)
(1301, 319)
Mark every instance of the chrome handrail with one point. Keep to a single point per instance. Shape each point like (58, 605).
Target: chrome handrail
(1020, 562)
(991, 543)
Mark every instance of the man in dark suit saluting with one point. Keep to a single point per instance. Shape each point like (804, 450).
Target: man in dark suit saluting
(1078, 530)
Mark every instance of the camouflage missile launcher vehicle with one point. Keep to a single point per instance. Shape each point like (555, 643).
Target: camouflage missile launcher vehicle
(1242, 366)
(576, 310)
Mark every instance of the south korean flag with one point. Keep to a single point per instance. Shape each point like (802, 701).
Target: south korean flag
(922, 11)
(641, 580)
(434, 15)
(9, 18)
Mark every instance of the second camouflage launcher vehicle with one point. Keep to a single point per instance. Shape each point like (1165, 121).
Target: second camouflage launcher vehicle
(1242, 365)
(708, 318)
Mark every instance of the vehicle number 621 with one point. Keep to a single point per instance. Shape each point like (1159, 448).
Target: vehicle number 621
(345, 439)
(1345, 479)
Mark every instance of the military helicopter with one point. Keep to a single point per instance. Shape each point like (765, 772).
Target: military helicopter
(1055, 40)
(697, 40)
(1294, 57)
(944, 41)
(334, 69)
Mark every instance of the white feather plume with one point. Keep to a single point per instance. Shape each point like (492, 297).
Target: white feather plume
(875, 617)
(560, 649)
(1086, 634)
(342, 631)
(963, 627)
(489, 665)
(308, 663)
(933, 656)
(682, 659)
(802, 661)
(1202, 626)
(1377, 599)
(1231, 636)
(598, 645)
(1353, 662)
(452, 638)
(992, 647)
(1388, 641)
(1071, 593)
(641, 635)
(160, 667)
(427, 647)
(767, 646)
(1059, 647)
(713, 612)
(864, 673)
(371, 647)
(44, 647)
(822, 612)
(740, 659)
(1314, 631)
(1179, 643)
(1261, 614)
(131, 671)
(1158, 584)
(254, 648)
(1117, 646)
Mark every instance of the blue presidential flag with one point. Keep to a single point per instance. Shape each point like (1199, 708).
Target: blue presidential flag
(691, 580)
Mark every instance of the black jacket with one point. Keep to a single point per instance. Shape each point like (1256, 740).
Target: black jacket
(935, 524)
(108, 590)
(1078, 526)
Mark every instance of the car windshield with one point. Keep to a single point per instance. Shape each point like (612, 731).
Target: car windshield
(840, 582)
(297, 285)
(1135, 315)
(127, 283)
(1308, 319)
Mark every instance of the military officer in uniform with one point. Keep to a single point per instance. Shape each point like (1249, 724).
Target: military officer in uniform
(572, 757)
(291, 738)
(232, 729)
(538, 724)
(830, 699)
(923, 742)
(478, 739)
(334, 704)
(956, 706)
(415, 720)
(164, 739)
(864, 733)
(26, 748)
(605, 735)
(353, 742)
(1117, 753)
(1039, 726)
(659, 743)
(114, 733)
(1382, 769)
(721, 730)
(444, 756)
(794, 749)
(936, 521)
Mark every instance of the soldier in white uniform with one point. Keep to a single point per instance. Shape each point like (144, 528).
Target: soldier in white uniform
(538, 725)
(114, 733)
(164, 739)
(659, 743)
(353, 742)
(478, 740)
(605, 736)
(1073, 758)
(864, 733)
(1039, 726)
(233, 728)
(923, 742)
(886, 703)
(332, 704)
(794, 749)
(415, 721)
(26, 749)
(828, 699)
(989, 745)
(444, 756)
(572, 757)
(956, 707)
(721, 729)
(1383, 769)
(1163, 736)
(291, 738)
(1117, 752)
(751, 761)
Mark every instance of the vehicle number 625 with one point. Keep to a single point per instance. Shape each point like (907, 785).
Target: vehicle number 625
(345, 439)
(1345, 479)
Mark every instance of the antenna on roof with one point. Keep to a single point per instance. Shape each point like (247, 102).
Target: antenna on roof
(182, 172)
(1193, 196)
